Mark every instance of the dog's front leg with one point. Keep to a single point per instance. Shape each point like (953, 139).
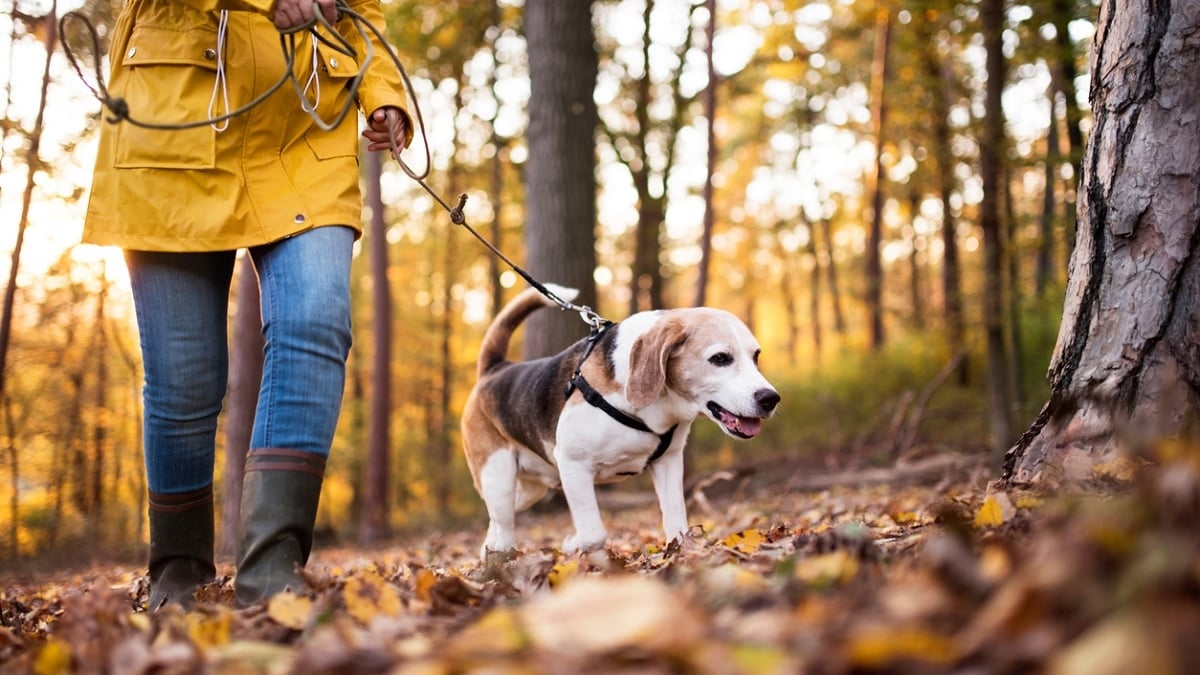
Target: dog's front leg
(579, 487)
(667, 474)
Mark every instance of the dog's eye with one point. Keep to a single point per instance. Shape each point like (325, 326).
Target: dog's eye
(721, 359)
(756, 354)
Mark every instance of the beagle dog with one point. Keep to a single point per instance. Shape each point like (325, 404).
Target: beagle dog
(616, 403)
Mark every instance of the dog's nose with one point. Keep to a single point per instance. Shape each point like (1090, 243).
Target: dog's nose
(767, 399)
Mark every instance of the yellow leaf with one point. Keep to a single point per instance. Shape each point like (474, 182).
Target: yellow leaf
(497, 632)
(561, 572)
(995, 511)
(369, 595)
(425, 582)
(827, 569)
(1121, 469)
(879, 647)
(289, 610)
(746, 541)
(762, 659)
(208, 631)
(53, 659)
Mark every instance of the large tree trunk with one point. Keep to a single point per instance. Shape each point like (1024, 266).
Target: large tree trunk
(1127, 364)
(561, 171)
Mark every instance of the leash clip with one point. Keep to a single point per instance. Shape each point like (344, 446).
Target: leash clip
(591, 318)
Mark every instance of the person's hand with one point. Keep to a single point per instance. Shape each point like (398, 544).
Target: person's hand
(289, 14)
(385, 125)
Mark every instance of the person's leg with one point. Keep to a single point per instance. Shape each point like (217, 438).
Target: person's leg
(305, 282)
(181, 300)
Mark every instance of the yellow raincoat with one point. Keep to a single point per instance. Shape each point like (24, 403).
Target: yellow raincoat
(271, 172)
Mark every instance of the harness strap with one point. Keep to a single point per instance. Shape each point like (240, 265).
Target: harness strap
(597, 399)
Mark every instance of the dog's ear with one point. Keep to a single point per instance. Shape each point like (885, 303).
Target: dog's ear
(648, 362)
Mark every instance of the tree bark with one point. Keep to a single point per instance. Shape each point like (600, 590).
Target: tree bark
(991, 172)
(1126, 369)
(375, 526)
(561, 170)
(710, 112)
(874, 264)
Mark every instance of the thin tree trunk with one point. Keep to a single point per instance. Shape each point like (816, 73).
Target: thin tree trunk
(32, 159)
(1126, 368)
(916, 295)
(14, 481)
(1012, 295)
(814, 298)
(496, 183)
(835, 294)
(1044, 272)
(991, 148)
(241, 398)
(1064, 13)
(940, 79)
(710, 112)
(99, 403)
(375, 526)
(874, 263)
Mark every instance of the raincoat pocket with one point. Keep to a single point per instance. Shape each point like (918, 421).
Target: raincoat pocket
(336, 72)
(167, 77)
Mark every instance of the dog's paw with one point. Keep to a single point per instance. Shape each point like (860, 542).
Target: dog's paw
(578, 543)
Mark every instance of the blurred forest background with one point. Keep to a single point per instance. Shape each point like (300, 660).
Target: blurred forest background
(816, 167)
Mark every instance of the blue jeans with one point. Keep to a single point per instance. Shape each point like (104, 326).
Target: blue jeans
(182, 303)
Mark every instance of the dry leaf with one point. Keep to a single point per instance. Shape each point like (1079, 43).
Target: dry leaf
(996, 510)
(746, 541)
(880, 646)
(289, 610)
(827, 569)
(369, 595)
(561, 572)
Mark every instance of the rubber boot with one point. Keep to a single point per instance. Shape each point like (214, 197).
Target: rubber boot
(280, 491)
(181, 546)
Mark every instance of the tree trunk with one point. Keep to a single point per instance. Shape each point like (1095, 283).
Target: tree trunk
(835, 292)
(496, 178)
(1044, 272)
(710, 112)
(1064, 12)
(874, 263)
(241, 398)
(1126, 367)
(14, 481)
(375, 525)
(561, 170)
(991, 171)
(940, 80)
(916, 294)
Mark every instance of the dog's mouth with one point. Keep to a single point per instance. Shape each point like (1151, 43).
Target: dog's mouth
(735, 425)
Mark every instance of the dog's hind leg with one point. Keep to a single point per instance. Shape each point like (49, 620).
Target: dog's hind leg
(498, 487)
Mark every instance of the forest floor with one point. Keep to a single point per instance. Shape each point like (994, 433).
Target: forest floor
(927, 566)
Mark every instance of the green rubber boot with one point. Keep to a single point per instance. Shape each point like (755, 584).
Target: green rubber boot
(280, 491)
(181, 546)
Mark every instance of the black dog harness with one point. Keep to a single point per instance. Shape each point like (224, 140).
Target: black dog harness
(596, 399)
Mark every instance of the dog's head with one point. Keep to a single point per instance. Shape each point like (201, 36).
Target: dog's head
(709, 358)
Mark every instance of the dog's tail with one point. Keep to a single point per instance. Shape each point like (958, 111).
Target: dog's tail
(494, 349)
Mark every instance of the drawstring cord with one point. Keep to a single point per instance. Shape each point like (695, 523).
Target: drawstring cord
(220, 82)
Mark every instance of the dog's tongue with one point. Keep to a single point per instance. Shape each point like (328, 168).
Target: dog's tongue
(746, 427)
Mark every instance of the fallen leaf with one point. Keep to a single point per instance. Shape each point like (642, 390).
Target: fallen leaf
(878, 647)
(561, 572)
(996, 510)
(746, 541)
(827, 569)
(53, 659)
(368, 595)
(289, 610)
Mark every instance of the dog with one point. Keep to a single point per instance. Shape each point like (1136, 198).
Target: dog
(616, 403)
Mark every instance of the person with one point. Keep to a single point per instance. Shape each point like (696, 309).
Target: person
(182, 202)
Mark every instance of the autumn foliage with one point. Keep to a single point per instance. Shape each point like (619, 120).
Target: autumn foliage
(933, 576)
